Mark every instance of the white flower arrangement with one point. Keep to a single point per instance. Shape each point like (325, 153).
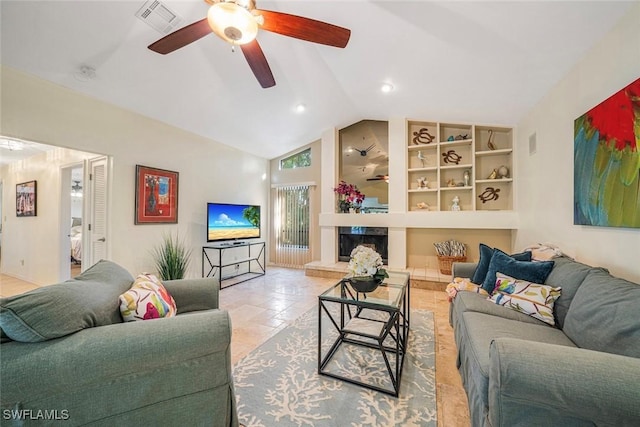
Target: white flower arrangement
(365, 262)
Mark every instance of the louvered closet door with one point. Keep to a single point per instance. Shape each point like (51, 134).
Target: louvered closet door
(97, 228)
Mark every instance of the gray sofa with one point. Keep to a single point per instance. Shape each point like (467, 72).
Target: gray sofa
(585, 371)
(170, 371)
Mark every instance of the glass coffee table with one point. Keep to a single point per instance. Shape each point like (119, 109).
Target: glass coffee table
(365, 341)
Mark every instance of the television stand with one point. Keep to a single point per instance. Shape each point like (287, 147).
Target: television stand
(233, 262)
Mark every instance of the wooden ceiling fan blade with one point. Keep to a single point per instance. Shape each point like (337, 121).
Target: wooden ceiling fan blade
(181, 37)
(258, 63)
(304, 28)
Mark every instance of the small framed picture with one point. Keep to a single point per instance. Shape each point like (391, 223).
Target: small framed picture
(156, 196)
(26, 199)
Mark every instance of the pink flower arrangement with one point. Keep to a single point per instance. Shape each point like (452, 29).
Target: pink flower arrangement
(348, 196)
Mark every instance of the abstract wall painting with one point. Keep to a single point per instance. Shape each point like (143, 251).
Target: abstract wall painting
(156, 196)
(606, 167)
(27, 199)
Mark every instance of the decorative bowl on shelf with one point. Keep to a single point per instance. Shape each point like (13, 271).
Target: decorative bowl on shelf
(364, 283)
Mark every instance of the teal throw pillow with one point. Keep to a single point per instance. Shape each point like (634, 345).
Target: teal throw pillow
(90, 299)
(485, 258)
(536, 272)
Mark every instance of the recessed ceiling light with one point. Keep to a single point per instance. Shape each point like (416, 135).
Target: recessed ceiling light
(301, 108)
(85, 73)
(386, 87)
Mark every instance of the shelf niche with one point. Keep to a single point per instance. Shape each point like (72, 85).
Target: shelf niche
(439, 155)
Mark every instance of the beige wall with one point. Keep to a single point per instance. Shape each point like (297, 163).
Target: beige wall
(31, 245)
(36, 110)
(422, 254)
(302, 175)
(545, 179)
(379, 189)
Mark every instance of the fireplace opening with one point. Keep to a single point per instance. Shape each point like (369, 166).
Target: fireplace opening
(374, 237)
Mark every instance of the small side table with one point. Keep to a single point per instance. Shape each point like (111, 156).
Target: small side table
(377, 319)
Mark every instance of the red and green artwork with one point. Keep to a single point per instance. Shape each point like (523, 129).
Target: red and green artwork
(607, 162)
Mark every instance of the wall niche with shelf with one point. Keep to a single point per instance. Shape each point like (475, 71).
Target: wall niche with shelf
(468, 162)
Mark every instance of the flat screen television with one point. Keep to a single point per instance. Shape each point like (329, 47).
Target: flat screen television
(226, 221)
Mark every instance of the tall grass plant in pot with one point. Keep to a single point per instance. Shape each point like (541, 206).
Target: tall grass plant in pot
(172, 257)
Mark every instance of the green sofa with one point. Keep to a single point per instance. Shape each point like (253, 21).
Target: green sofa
(103, 372)
(584, 371)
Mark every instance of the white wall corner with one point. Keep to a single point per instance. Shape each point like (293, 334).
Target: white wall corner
(397, 165)
(329, 247)
(329, 173)
(397, 250)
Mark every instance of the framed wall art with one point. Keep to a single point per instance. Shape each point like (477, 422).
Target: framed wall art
(27, 199)
(606, 169)
(156, 196)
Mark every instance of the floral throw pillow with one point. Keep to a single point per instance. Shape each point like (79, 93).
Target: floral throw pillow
(147, 299)
(530, 298)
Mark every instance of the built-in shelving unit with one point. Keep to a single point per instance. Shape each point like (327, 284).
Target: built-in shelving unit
(469, 163)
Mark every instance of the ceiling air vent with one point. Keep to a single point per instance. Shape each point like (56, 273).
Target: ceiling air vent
(159, 16)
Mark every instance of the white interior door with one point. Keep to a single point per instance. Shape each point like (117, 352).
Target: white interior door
(65, 222)
(95, 244)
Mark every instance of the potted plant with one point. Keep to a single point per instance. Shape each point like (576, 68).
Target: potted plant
(348, 196)
(171, 257)
(365, 270)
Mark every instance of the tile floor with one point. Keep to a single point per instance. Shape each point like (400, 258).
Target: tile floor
(261, 307)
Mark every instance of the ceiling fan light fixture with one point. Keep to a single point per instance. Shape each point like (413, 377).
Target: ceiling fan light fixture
(232, 22)
(11, 144)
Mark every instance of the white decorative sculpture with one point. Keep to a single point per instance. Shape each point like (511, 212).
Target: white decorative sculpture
(455, 206)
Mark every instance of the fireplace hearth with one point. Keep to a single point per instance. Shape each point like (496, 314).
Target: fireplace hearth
(375, 237)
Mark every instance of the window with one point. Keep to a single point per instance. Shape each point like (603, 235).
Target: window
(292, 225)
(298, 160)
(294, 217)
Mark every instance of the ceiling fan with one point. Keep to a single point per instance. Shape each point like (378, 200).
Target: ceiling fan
(76, 187)
(238, 21)
(379, 178)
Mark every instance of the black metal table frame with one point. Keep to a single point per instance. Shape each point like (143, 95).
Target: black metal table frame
(397, 322)
(216, 268)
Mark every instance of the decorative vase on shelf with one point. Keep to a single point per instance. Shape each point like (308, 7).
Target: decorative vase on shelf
(503, 171)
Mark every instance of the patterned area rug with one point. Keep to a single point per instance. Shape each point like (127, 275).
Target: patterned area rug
(277, 384)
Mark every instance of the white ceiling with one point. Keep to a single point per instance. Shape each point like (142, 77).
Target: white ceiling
(13, 150)
(477, 61)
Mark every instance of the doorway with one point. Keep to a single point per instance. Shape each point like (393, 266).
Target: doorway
(71, 219)
(83, 215)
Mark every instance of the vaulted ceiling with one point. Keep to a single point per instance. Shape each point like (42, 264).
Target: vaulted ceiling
(476, 61)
